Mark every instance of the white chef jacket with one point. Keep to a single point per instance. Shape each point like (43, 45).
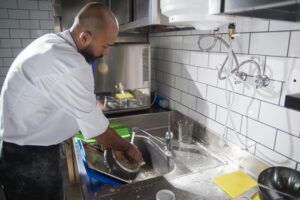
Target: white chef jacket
(48, 94)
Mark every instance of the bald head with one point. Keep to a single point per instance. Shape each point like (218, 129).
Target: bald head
(95, 28)
(94, 17)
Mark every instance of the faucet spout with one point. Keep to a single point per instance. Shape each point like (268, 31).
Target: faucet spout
(169, 143)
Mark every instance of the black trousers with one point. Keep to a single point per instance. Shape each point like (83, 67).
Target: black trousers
(31, 172)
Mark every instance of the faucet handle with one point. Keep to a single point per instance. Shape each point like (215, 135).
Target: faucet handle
(169, 135)
(262, 81)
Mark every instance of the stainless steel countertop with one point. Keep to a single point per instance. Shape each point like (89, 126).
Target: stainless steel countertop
(195, 166)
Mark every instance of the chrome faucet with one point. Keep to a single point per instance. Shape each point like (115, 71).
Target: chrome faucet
(167, 142)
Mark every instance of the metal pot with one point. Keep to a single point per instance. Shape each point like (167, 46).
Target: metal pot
(119, 166)
(279, 183)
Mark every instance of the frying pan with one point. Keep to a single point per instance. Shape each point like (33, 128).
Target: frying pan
(279, 183)
(120, 166)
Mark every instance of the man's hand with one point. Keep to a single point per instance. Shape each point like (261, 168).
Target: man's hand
(134, 153)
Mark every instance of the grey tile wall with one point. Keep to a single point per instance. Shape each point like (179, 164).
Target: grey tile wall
(21, 21)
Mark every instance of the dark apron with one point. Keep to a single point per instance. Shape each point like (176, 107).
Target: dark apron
(31, 172)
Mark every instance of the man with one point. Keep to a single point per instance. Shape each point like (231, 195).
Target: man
(47, 96)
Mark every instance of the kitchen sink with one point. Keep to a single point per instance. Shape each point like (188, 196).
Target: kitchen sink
(157, 163)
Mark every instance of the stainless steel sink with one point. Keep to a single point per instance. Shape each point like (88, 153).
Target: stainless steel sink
(157, 163)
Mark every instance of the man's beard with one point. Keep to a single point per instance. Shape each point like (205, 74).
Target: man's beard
(89, 57)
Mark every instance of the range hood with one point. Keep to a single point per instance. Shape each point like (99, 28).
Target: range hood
(288, 10)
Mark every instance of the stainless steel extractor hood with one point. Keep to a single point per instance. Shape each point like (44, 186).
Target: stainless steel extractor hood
(288, 10)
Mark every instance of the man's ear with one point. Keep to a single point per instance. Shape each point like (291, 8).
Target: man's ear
(85, 38)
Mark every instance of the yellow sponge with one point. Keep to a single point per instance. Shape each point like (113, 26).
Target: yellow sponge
(125, 95)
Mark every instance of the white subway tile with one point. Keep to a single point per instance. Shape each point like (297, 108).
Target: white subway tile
(163, 89)
(4, 33)
(5, 52)
(206, 42)
(169, 67)
(16, 52)
(245, 105)
(159, 53)
(9, 23)
(196, 116)
(8, 4)
(281, 68)
(30, 24)
(27, 4)
(154, 41)
(26, 42)
(176, 42)
(19, 33)
(189, 72)
(39, 14)
(239, 45)
(276, 25)
(44, 5)
(208, 76)
(281, 118)
(154, 64)
(247, 24)
(197, 89)
(206, 108)
(181, 108)
(18, 14)
(170, 55)
(232, 85)
(190, 42)
(241, 141)
(199, 59)
(3, 70)
(38, 33)
(188, 100)
(271, 93)
(182, 84)
(214, 126)
(172, 104)
(288, 145)
(215, 60)
(164, 42)
(294, 50)
(175, 94)
(165, 78)
(47, 24)
(216, 96)
(183, 56)
(3, 13)
(259, 132)
(10, 42)
(8, 61)
(264, 43)
(275, 159)
(2, 80)
(234, 120)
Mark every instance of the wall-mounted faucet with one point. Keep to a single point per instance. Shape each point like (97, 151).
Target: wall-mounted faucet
(261, 80)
